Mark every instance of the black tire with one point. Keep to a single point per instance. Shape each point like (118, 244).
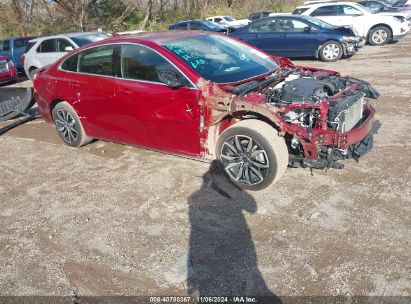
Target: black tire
(379, 35)
(68, 125)
(331, 51)
(32, 72)
(269, 149)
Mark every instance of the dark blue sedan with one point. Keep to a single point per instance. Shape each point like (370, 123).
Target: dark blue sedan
(198, 25)
(300, 36)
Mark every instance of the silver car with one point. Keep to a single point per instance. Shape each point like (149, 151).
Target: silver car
(46, 50)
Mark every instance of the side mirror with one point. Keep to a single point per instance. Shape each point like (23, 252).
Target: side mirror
(68, 48)
(307, 29)
(170, 78)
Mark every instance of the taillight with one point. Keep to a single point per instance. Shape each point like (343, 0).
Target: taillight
(23, 57)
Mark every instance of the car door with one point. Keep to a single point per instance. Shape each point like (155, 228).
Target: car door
(169, 116)
(264, 35)
(90, 85)
(46, 52)
(297, 37)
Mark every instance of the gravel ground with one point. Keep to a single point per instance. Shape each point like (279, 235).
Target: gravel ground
(109, 219)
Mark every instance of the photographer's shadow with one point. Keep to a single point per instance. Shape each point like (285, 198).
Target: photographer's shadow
(222, 259)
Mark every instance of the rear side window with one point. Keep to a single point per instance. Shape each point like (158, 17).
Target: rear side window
(29, 46)
(325, 11)
(195, 26)
(141, 63)
(47, 46)
(6, 45)
(97, 60)
(346, 10)
(182, 26)
(264, 25)
(71, 64)
(299, 11)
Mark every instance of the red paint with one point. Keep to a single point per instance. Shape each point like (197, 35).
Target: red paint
(156, 116)
(10, 75)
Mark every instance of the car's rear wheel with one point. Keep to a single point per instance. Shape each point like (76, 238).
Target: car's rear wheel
(252, 154)
(379, 35)
(68, 125)
(331, 51)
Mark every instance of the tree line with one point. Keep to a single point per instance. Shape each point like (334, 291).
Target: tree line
(46, 17)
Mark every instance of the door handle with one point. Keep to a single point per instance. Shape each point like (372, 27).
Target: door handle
(283, 35)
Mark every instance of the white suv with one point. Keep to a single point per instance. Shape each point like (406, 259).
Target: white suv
(378, 29)
(228, 21)
(46, 50)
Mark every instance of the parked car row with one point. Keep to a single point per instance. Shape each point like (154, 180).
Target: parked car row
(328, 30)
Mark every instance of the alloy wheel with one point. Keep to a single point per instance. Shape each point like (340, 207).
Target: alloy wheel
(66, 126)
(244, 160)
(379, 36)
(331, 51)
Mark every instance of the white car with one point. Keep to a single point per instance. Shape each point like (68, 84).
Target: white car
(46, 50)
(228, 21)
(378, 29)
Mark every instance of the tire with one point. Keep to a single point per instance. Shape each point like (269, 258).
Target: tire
(379, 35)
(32, 72)
(271, 162)
(68, 125)
(331, 51)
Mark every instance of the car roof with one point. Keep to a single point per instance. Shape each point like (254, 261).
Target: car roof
(70, 35)
(160, 36)
(324, 4)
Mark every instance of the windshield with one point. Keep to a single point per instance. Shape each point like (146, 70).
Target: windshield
(221, 59)
(88, 38)
(228, 18)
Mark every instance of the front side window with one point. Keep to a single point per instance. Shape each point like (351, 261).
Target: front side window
(97, 60)
(220, 58)
(264, 25)
(141, 63)
(62, 44)
(47, 46)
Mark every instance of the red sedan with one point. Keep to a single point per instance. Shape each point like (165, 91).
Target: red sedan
(207, 96)
(8, 71)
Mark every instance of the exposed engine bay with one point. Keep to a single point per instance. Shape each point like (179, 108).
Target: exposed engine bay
(318, 87)
(317, 110)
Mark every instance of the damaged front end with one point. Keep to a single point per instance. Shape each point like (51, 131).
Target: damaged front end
(323, 117)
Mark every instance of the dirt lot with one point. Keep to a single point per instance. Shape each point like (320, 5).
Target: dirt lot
(109, 219)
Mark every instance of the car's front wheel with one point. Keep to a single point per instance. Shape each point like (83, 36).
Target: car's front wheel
(68, 125)
(331, 51)
(252, 154)
(379, 35)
